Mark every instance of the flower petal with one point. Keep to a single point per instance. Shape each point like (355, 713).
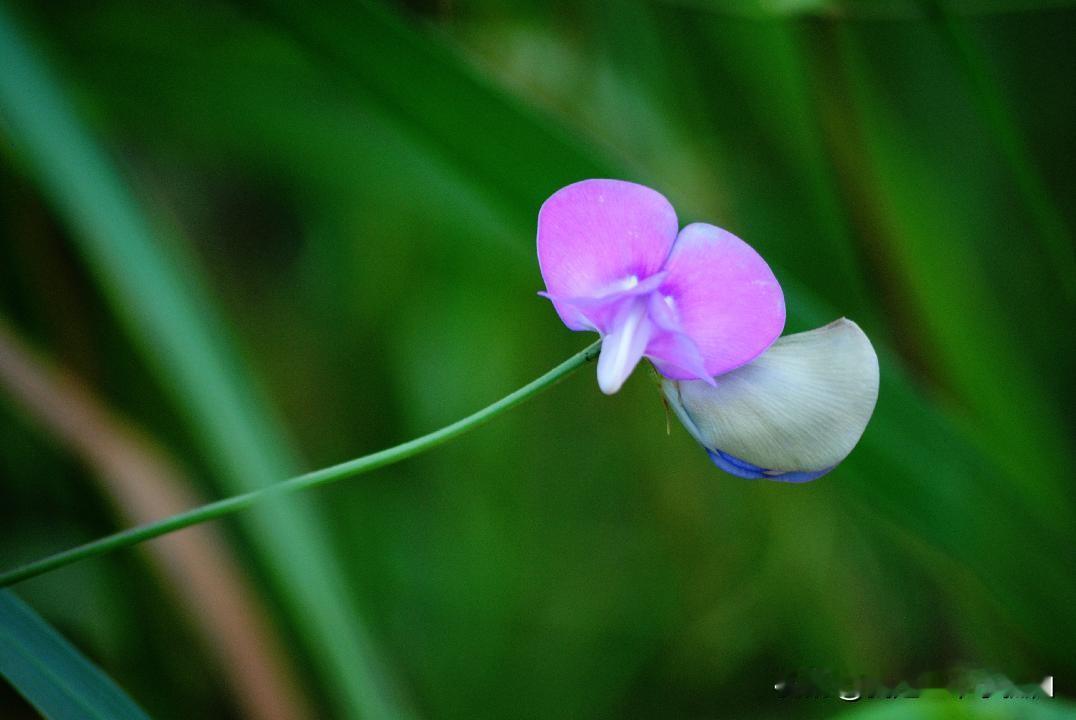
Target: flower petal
(598, 313)
(594, 236)
(623, 346)
(797, 410)
(725, 297)
(737, 467)
(670, 345)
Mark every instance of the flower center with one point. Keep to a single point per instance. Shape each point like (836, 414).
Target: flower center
(618, 286)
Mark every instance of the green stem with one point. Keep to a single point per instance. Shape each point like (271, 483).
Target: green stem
(227, 506)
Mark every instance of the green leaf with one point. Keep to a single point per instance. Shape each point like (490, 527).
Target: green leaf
(170, 316)
(51, 673)
(943, 706)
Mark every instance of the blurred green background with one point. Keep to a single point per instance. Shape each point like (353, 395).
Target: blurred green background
(264, 237)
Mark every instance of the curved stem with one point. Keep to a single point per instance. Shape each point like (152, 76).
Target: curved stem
(227, 506)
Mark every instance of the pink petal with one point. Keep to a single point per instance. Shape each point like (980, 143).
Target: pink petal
(598, 313)
(670, 349)
(598, 237)
(726, 300)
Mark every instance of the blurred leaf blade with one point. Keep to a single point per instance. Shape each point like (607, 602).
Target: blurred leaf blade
(965, 314)
(52, 674)
(422, 83)
(1050, 222)
(171, 319)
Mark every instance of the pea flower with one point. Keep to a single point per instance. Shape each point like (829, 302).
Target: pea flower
(793, 414)
(706, 310)
(697, 304)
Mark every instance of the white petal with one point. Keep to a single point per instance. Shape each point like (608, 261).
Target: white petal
(800, 406)
(623, 347)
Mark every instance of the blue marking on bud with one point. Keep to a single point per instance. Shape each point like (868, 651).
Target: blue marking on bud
(743, 469)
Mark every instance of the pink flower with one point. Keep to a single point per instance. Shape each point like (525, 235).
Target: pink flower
(698, 302)
(706, 310)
